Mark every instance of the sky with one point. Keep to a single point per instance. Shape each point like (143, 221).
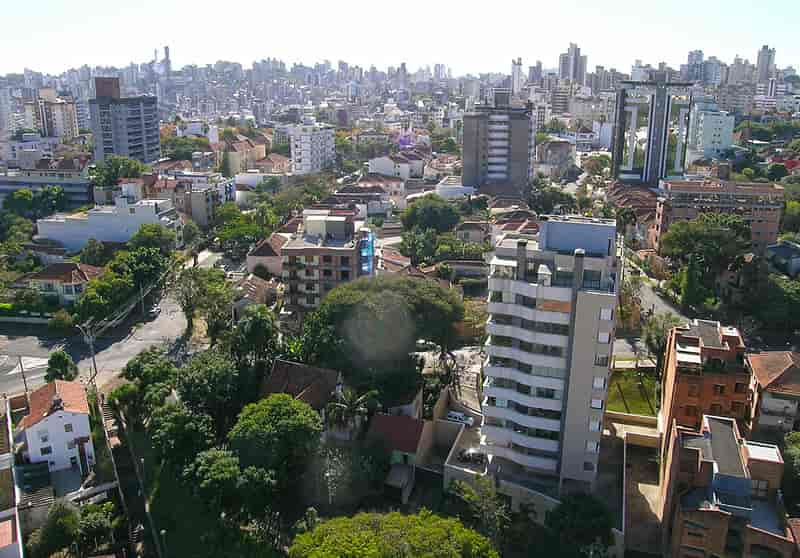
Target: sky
(469, 36)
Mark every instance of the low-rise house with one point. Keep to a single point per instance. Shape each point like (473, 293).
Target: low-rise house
(776, 391)
(115, 223)
(473, 231)
(393, 186)
(310, 384)
(253, 290)
(66, 280)
(409, 440)
(784, 255)
(267, 253)
(721, 494)
(56, 429)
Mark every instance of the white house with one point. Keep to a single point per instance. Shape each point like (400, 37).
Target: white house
(56, 428)
(65, 280)
(109, 223)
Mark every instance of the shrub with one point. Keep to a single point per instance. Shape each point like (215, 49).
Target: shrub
(62, 322)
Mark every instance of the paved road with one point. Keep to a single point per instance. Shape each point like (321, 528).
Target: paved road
(652, 301)
(114, 348)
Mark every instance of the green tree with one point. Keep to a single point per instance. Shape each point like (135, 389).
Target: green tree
(777, 304)
(216, 308)
(178, 434)
(151, 366)
(225, 165)
(791, 475)
(487, 512)
(430, 212)
(349, 407)
(96, 253)
(181, 148)
(791, 216)
(776, 171)
(107, 173)
(419, 245)
(278, 433)
(209, 384)
(96, 526)
(254, 340)
(655, 332)
(214, 478)
(373, 535)
(59, 531)
(188, 290)
(545, 199)
(20, 202)
(191, 232)
(580, 521)
(60, 366)
(128, 399)
(154, 236)
(693, 294)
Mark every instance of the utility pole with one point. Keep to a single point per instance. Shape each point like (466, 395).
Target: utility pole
(88, 337)
(141, 297)
(24, 380)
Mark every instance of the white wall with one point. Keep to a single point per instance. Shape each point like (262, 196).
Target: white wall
(58, 438)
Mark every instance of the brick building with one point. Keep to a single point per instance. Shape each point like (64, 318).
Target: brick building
(704, 374)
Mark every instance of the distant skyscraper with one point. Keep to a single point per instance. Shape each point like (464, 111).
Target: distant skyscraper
(651, 130)
(535, 73)
(765, 66)
(498, 139)
(516, 77)
(572, 66)
(126, 126)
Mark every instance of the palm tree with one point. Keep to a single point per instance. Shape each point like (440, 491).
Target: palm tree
(349, 407)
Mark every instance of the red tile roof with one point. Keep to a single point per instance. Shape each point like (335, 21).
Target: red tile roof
(777, 371)
(400, 433)
(66, 272)
(312, 385)
(73, 400)
(270, 246)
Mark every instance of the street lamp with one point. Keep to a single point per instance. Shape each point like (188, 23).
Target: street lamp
(88, 337)
(164, 540)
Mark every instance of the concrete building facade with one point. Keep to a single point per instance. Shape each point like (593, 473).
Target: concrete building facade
(313, 148)
(126, 126)
(551, 333)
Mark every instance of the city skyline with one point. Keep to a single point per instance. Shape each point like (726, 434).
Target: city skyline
(608, 39)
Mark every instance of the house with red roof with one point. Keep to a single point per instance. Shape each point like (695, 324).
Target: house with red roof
(65, 280)
(775, 385)
(56, 429)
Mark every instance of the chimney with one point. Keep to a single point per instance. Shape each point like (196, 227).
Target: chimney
(522, 259)
(57, 404)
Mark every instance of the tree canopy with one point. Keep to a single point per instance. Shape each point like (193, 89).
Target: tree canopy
(181, 148)
(36, 204)
(580, 521)
(373, 535)
(107, 173)
(278, 433)
(430, 212)
(60, 366)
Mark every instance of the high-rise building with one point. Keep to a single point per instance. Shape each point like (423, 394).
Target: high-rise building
(651, 130)
(551, 328)
(313, 148)
(498, 144)
(52, 115)
(765, 65)
(572, 66)
(535, 73)
(694, 66)
(517, 80)
(710, 130)
(126, 126)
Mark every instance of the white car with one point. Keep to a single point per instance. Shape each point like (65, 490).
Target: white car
(455, 416)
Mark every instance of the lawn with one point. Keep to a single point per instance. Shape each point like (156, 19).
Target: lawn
(630, 393)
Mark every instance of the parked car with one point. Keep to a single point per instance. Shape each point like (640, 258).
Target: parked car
(471, 455)
(154, 312)
(455, 416)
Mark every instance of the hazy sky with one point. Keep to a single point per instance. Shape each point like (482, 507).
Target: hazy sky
(469, 36)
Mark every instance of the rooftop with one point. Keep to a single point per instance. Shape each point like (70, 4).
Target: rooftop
(310, 384)
(399, 432)
(54, 397)
(777, 371)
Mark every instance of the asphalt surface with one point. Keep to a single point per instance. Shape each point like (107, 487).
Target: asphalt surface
(113, 349)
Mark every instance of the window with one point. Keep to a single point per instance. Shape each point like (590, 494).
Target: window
(68, 427)
(309, 259)
(599, 382)
(719, 389)
(601, 360)
(327, 259)
(588, 466)
(694, 390)
(47, 450)
(310, 299)
(760, 488)
(345, 261)
(71, 445)
(603, 337)
(44, 436)
(740, 387)
(716, 409)
(545, 393)
(345, 275)
(606, 314)
(327, 273)
(690, 411)
(597, 403)
(594, 425)
(308, 272)
(737, 408)
(592, 447)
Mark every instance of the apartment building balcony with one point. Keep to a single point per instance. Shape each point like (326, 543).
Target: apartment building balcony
(528, 313)
(541, 463)
(491, 390)
(308, 288)
(533, 379)
(494, 328)
(504, 437)
(529, 288)
(519, 355)
(505, 413)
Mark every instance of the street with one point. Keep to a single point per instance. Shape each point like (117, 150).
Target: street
(113, 349)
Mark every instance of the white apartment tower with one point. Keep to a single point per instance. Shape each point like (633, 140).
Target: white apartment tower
(551, 332)
(313, 148)
(517, 80)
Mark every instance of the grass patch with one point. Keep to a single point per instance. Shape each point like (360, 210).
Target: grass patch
(631, 393)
